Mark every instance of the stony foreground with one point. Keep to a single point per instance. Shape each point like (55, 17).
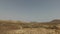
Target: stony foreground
(32, 31)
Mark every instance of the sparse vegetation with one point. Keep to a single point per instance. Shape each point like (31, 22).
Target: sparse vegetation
(18, 27)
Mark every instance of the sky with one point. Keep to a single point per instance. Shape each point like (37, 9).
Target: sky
(30, 10)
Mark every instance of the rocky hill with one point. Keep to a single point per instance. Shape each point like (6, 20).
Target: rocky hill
(55, 21)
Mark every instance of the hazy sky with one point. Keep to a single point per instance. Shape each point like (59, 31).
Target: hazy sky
(30, 10)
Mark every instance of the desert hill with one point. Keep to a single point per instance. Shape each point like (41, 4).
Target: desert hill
(55, 21)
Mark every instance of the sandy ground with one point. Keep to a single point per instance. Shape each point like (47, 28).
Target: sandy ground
(33, 31)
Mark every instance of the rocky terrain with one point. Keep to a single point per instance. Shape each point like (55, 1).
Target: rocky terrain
(18, 27)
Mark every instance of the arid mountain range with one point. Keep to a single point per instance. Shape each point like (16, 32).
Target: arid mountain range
(15, 21)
